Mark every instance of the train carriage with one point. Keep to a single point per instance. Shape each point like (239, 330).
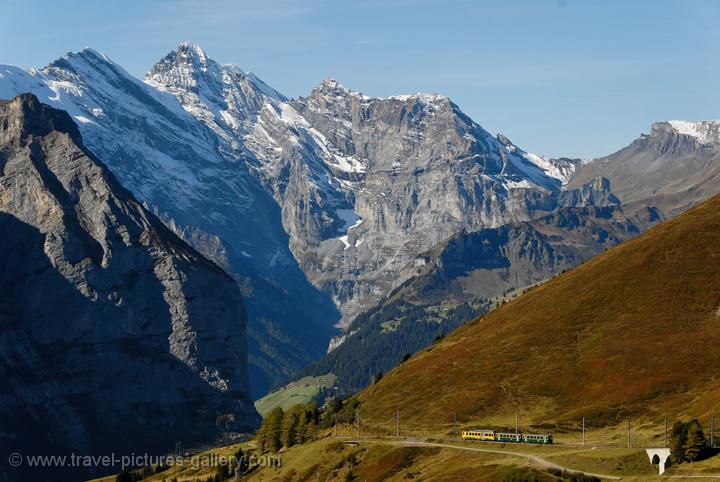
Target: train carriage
(493, 436)
(478, 434)
(508, 437)
(534, 438)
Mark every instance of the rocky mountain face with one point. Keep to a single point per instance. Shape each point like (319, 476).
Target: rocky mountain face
(201, 181)
(364, 184)
(468, 275)
(428, 172)
(316, 202)
(656, 177)
(355, 215)
(674, 167)
(325, 202)
(116, 335)
(286, 156)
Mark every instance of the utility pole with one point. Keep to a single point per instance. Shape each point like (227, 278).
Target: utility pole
(666, 432)
(357, 423)
(516, 424)
(583, 431)
(712, 432)
(397, 423)
(628, 433)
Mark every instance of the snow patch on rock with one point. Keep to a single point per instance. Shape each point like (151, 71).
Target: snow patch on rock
(707, 132)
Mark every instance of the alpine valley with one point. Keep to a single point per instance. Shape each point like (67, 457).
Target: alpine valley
(357, 228)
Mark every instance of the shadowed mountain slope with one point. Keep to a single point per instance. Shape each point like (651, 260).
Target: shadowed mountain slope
(115, 334)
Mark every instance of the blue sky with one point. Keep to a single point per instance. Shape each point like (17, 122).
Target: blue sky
(558, 77)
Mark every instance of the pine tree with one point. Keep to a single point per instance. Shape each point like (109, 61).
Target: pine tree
(242, 462)
(335, 405)
(289, 427)
(261, 437)
(274, 427)
(222, 472)
(310, 431)
(696, 444)
(678, 441)
(313, 412)
(301, 427)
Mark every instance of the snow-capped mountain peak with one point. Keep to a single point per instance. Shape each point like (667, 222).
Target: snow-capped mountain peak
(192, 53)
(260, 126)
(223, 97)
(187, 68)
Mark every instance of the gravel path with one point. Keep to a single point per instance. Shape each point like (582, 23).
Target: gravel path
(538, 460)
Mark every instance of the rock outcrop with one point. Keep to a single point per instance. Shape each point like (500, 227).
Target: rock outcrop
(673, 168)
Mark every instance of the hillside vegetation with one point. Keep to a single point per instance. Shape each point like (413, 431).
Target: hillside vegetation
(302, 391)
(631, 333)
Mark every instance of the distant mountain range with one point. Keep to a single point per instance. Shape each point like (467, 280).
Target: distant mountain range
(339, 209)
(657, 176)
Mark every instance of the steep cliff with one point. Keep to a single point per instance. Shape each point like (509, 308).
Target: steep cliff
(116, 335)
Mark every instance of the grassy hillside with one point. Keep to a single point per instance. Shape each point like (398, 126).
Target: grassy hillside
(302, 391)
(332, 460)
(631, 333)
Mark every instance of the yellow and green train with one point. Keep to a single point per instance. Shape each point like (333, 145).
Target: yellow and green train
(493, 436)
